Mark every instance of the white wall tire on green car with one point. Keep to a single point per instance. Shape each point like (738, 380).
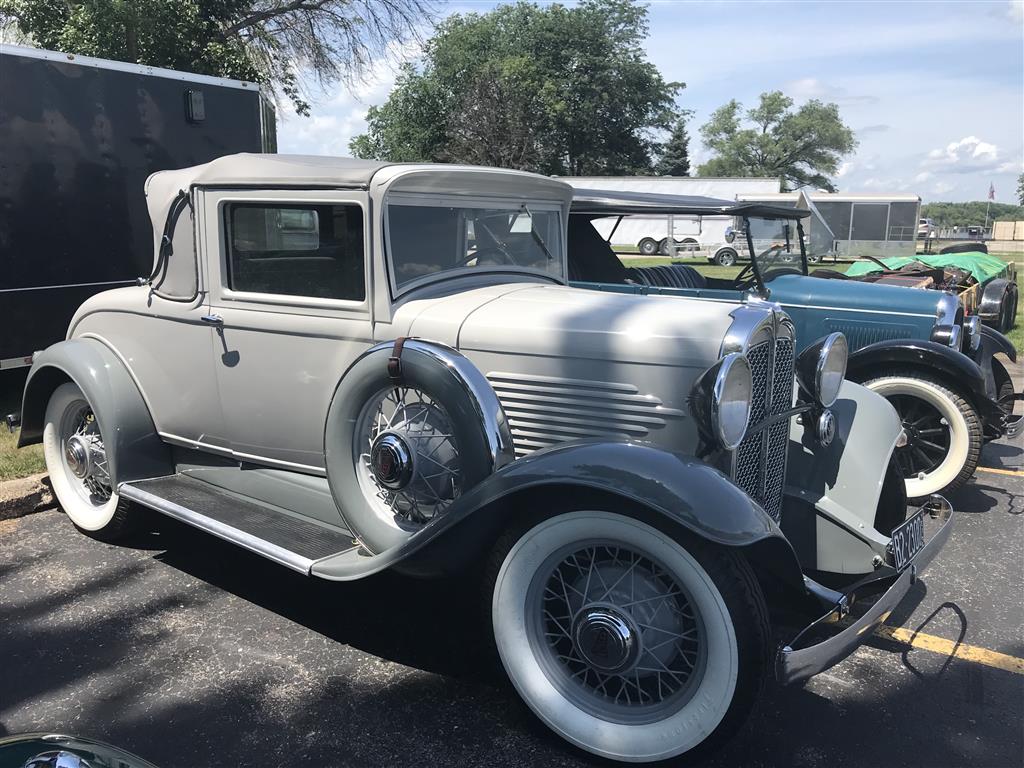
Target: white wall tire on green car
(934, 417)
(77, 464)
(622, 641)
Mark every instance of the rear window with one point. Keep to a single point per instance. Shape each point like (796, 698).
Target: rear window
(297, 250)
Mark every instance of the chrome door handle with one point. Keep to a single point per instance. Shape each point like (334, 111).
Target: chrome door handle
(212, 319)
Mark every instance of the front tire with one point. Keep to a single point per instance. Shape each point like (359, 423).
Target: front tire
(623, 641)
(76, 460)
(944, 433)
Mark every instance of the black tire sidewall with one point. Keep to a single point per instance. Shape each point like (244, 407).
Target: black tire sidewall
(726, 254)
(364, 380)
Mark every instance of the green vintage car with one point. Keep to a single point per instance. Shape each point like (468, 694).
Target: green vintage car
(985, 284)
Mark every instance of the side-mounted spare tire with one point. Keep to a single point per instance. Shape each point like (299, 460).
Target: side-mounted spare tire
(413, 425)
(965, 248)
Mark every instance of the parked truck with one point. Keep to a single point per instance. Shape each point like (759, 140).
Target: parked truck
(78, 138)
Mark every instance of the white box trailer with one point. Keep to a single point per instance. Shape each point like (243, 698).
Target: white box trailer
(650, 234)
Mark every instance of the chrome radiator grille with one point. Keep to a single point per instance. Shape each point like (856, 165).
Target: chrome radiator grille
(759, 466)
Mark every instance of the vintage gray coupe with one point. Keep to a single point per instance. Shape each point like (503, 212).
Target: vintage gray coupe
(350, 366)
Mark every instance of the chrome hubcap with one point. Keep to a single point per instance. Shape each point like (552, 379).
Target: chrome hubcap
(76, 454)
(606, 639)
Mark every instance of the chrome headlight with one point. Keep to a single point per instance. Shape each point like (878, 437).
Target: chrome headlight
(821, 368)
(721, 401)
(948, 319)
(949, 335)
(972, 328)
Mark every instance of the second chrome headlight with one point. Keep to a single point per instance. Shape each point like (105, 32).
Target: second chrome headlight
(821, 368)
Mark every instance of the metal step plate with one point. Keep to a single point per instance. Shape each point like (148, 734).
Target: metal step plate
(281, 537)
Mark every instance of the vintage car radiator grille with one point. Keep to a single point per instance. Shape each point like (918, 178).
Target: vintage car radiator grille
(544, 410)
(760, 460)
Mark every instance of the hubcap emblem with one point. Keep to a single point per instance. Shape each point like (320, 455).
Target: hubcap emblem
(605, 639)
(391, 461)
(76, 454)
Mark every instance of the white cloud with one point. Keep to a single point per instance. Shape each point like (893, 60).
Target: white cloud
(845, 168)
(808, 88)
(922, 177)
(1015, 11)
(969, 155)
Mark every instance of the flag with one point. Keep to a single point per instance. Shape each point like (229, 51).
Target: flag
(991, 191)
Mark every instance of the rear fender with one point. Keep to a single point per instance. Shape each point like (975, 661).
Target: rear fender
(134, 449)
(667, 489)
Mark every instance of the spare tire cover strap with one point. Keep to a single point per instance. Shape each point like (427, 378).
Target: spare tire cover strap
(395, 361)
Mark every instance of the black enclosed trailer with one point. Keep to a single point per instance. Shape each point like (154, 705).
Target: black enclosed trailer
(78, 138)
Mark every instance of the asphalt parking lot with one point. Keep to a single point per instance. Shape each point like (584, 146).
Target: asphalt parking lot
(191, 652)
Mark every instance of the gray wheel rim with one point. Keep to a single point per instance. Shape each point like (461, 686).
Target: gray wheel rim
(433, 479)
(83, 454)
(616, 632)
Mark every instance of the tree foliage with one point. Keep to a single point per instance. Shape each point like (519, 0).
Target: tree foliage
(970, 214)
(801, 146)
(264, 41)
(554, 90)
(674, 159)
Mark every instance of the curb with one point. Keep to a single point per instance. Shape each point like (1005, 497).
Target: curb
(26, 495)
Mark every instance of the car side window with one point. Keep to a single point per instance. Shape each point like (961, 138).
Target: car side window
(296, 250)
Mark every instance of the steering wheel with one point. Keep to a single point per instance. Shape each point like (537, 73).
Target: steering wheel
(494, 253)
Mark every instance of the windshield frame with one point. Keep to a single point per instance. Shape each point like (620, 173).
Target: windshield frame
(759, 281)
(512, 205)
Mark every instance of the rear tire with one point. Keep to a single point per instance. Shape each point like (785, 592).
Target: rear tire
(593, 673)
(76, 461)
(944, 432)
(726, 257)
(648, 246)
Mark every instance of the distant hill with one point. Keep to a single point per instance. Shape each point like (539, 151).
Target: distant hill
(970, 214)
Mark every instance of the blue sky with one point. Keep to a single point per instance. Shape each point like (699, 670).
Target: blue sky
(933, 90)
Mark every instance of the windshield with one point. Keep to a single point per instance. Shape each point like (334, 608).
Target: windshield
(776, 244)
(426, 240)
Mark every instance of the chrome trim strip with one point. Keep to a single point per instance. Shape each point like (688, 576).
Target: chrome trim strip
(15, 362)
(185, 442)
(221, 530)
(851, 309)
(66, 285)
(794, 666)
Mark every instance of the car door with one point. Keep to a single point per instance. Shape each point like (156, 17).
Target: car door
(289, 291)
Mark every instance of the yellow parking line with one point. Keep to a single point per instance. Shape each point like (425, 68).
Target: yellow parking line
(994, 471)
(950, 648)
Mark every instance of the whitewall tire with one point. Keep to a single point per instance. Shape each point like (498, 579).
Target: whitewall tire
(77, 464)
(624, 642)
(944, 433)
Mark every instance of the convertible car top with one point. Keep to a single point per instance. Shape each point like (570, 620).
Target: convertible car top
(616, 203)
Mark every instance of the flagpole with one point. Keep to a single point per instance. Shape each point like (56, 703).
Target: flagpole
(988, 204)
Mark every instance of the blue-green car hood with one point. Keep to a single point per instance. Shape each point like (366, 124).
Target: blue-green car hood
(853, 294)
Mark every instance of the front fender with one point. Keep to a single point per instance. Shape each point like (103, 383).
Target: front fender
(673, 488)
(832, 491)
(993, 342)
(134, 450)
(882, 357)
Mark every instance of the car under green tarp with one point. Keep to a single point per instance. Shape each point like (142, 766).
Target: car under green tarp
(982, 266)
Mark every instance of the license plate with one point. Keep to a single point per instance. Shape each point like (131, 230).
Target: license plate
(907, 540)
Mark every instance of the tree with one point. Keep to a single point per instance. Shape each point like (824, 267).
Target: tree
(1020, 189)
(801, 147)
(554, 90)
(970, 214)
(675, 155)
(265, 41)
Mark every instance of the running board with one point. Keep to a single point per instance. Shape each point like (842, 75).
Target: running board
(285, 538)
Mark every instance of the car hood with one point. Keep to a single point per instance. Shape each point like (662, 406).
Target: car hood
(803, 290)
(558, 321)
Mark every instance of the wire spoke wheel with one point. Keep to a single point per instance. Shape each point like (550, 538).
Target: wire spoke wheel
(407, 458)
(83, 455)
(616, 632)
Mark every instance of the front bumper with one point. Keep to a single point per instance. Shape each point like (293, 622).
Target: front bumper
(795, 664)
